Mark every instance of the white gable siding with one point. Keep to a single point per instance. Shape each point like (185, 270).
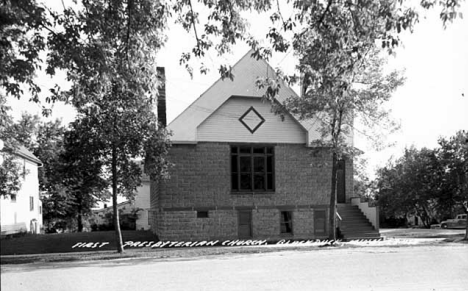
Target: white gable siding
(185, 127)
(245, 72)
(224, 125)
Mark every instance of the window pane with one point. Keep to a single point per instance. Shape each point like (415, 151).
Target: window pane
(286, 228)
(270, 182)
(259, 182)
(259, 150)
(235, 181)
(245, 150)
(252, 168)
(202, 214)
(286, 222)
(269, 164)
(234, 164)
(259, 164)
(245, 164)
(285, 216)
(246, 182)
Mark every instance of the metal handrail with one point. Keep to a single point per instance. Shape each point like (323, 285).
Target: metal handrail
(338, 215)
(338, 223)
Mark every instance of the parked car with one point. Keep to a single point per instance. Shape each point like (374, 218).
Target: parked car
(458, 222)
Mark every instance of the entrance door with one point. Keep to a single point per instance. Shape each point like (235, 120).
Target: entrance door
(245, 223)
(340, 185)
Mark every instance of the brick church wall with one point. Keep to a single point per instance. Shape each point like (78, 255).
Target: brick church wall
(200, 181)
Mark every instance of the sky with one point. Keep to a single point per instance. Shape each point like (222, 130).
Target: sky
(429, 105)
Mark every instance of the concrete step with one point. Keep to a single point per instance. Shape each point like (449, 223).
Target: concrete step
(360, 234)
(357, 228)
(354, 224)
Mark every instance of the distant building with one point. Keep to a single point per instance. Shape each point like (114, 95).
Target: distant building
(22, 211)
(139, 206)
(142, 202)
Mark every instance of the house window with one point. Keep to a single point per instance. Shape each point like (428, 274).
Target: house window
(252, 168)
(13, 198)
(40, 209)
(320, 222)
(31, 203)
(286, 226)
(202, 214)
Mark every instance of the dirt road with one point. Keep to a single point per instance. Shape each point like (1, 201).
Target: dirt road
(443, 267)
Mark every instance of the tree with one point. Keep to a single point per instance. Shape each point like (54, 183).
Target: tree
(338, 104)
(453, 156)
(362, 186)
(406, 188)
(392, 199)
(10, 170)
(429, 183)
(58, 206)
(25, 130)
(338, 50)
(22, 40)
(109, 55)
(82, 172)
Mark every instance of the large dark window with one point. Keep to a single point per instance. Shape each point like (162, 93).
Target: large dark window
(252, 168)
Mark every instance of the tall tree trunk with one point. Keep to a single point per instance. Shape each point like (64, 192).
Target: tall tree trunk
(118, 233)
(80, 217)
(332, 213)
(80, 222)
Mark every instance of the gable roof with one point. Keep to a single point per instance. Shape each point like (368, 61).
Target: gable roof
(26, 154)
(245, 71)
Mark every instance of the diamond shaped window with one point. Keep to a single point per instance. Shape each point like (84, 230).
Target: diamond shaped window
(252, 120)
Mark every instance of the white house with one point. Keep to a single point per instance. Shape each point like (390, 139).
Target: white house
(140, 204)
(22, 211)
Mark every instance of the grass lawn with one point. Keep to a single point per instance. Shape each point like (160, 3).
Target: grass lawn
(63, 242)
(58, 247)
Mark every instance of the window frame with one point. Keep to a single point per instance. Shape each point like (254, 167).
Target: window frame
(268, 155)
(323, 215)
(290, 222)
(31, 203)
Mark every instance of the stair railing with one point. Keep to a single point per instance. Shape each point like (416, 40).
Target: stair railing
(338, 220)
